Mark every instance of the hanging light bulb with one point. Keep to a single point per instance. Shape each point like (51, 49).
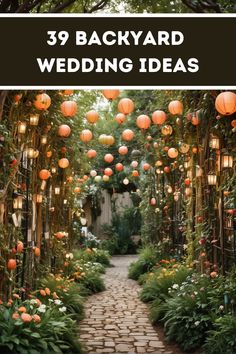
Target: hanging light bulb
(65, 201)
(57, 190)
(44, 139)
(53, 170)
(34, 119)
(22, 127)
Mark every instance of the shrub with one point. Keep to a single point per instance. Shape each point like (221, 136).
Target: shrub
(94, 255)
(222, 339)
(148, 257)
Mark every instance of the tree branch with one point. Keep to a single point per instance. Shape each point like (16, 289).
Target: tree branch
(100, 5)
(62, 6)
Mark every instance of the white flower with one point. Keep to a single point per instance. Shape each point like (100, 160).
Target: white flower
(221, 307)
(175, 286)
(58, 302)
(69, 256)
(33, 301)
(195, 292)
(62, 309)
(42, 308)
(197, 323)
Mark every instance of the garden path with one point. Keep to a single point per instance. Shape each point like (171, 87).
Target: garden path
(116, 320)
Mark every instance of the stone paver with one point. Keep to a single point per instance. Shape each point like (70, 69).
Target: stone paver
(116, 320)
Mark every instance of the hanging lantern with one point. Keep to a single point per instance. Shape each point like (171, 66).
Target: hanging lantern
(166, 169)
(93, 173)
(120, 118)
(126, 106)
(111, 94)
(34, 119)
(134, 164)
(153, 201)
(42, 101)
(11, 264)
(108, 158)
(172, 153)
(22, 127)
(127, 135)
(125, 181)
(63, 163)
(77, 190)
(123, 150)
(184, 148)
(176, 107)
(67, 92)
(225, 103)
(159, 117)
(53, 170)
(211, 179)
(44, 174)
(57, 190)
(86, 135)
(65, 201)
(146, 166)
(92, 116)
(18, 202)
(49, 153)
(233, 123)
(167, 130)
(187, 181)
(119, 167)
(106, 139)
(227, 160)
(91, 153)
(97, 179)
(195, 120)
(44, 139)
(64, 131)
(169, 189)
(158, 163)
(214, 142)
(105, 178)
(68, 108)
(30, 153)
(108, 171)
(143, 121)
(135, 173)
(39, 198)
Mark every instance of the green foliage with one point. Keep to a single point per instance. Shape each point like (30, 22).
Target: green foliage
(148, 257)
(56, 332)
(222, 339)
(93, 255)
(93, 283)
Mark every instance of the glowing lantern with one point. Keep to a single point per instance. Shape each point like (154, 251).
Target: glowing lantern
(42, 101)
(20, 246)
(68, 108)
(111, 94)
(123, 150)
(211, 179)
(195, 120)
(120, 118)
(57, 190)
(97, 179)
(166, 169)
(106, 139)
(18, 202)
(110, 140)
(22, 127)
(176, 107)
(68, 92)
(143, 121)
(77, 190)
(173, 153)
(64, 131)
(134, 164)
(146, 166)
(158, 117)
(105, 178)
(49, 153)
(225, 103)
(119, 167)
(108, 158)
(125, 181)
(184, 148)
(127, 135)
(44, 174)
(214, 142)
(153, 201)
(167, 130)
(158, 163)
(86, 135)
(227, 160)
(34, 119)
(93, 173)
(125, 106)
(63, 163)
(108, 171)
(36, 251)
(92, 116)
(135, 173)
(91, 153)
(11, 264)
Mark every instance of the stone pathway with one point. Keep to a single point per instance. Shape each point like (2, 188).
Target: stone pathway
(116, 320)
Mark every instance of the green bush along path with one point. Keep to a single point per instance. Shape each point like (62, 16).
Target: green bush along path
(116, 319)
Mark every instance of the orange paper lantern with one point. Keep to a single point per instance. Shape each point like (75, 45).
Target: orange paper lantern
(125, 106)
(77, 190)
(135, 173)
(225, 103)
(123, 150)
(44, 174)
(86, 135)
(143, 121)
(158, 117)
(64, 131)
(91, 153)
(120, 118)
(233, 123)
(173, 153)
(176, 107)
(11, 264)
(92, 116)
(108, 171)
(119, 167)
(146, 166)
(68, 108)
(42, 101)
(127, 135)
(111, 94)
(108, 158)
(63, 163)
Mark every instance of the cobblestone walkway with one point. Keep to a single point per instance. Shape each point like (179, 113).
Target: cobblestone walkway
(116, 320)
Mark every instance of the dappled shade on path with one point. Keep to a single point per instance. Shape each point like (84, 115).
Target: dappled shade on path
(116, 320)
